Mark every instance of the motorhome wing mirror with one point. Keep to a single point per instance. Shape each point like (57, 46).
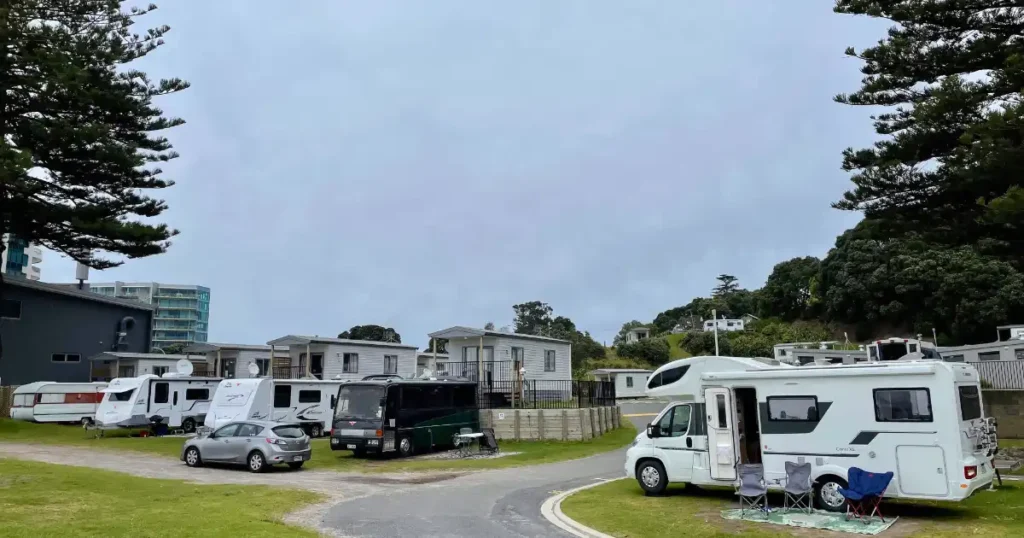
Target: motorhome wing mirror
(652, 431)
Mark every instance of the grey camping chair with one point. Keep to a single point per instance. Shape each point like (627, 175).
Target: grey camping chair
(753, 490)
(798, 487)
(463, 444)
(488, 443)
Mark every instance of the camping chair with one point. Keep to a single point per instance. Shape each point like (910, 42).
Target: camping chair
(865, 493)
(798, 487)
(488, 444)
(462, 444)
(752, 488)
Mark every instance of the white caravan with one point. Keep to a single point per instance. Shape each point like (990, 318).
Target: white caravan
(177, 401)
(48, 401)
(309, 402)
(923, 420)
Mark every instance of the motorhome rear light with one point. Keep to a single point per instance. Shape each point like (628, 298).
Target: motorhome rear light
(970, 471)
(380, 433)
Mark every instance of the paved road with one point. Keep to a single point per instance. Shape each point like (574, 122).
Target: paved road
(499, 504)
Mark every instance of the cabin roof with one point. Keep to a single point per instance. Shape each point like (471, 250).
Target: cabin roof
(298, 340)
(460, 331)
(621, 371)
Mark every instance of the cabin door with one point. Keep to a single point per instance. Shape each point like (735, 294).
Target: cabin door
(721, 433)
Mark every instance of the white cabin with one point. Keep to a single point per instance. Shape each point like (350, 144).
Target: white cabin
(174, 400)
(231, 361)
(341, 359)
(48, 401)
(308, 402)
(112, 364)
(501, 355)
(629, 383)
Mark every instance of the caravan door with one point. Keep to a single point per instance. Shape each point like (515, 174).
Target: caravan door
(721, 433)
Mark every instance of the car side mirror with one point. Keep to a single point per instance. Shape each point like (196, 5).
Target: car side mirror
(652, 431)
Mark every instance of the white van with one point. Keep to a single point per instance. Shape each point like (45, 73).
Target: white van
(921, 419)
(309, 402)
(177, 401)
(48, 401)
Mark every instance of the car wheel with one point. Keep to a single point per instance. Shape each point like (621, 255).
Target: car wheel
(827, 496)
(295, 465)
(188, 425)
(405, 446)
(192, 458)
(652, 478)
(315, 431)
(257, 463)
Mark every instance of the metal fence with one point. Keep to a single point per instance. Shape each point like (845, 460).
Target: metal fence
(1004, 375)
(493, 371)
(546, 394)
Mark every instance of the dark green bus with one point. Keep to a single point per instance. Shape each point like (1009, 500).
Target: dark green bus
(402, 416)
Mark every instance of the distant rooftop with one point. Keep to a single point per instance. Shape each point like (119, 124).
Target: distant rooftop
(70, 291)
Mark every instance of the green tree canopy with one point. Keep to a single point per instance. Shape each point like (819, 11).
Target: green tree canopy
(726, 285)
(532, 317)
(653, 351)
(376, 333)
(788, 292)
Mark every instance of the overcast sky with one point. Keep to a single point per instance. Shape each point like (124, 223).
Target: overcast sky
(426, 164)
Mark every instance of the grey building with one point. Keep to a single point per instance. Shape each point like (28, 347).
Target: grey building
(50, 331)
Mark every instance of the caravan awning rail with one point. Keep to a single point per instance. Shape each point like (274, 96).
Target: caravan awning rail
(859, 370)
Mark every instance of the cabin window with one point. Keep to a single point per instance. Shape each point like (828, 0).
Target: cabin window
(350, 363)
(954, 358)
(722, 421)
(10, 309)
(793, 408)
(667, 377)
(282, 395)
(309, 396)
(160, 370)
(390, 364)
(549, 360)
(161, 392)
(970, 403)
(629, 382)
(903, 405)
(1019, 354)
(65, 357)
(988, 356)
(264, 366)
(804, 359)
(197, 394)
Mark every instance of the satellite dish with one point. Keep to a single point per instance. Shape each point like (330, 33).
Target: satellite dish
(254, 370)
(184, 367)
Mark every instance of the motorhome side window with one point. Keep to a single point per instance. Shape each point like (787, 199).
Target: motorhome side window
(970, 403)
(309, 396)
(161, 393)
(903, 405)
(722, 411)
(197, 394)
(282, 395)
(793, 408)
(668, 376)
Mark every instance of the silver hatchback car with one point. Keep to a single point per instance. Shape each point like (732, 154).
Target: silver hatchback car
(256, 444)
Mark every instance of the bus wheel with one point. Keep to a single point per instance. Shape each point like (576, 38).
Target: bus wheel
(188, 425)
(315, 431)
(405, 446)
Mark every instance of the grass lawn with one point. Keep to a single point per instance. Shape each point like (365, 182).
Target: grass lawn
(674, 351)
(532, 452)
(39, 499)
(620, 508)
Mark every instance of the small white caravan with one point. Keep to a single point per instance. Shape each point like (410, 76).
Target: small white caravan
(921, 419)
(309, 402)
(48, 401)
(177, 401)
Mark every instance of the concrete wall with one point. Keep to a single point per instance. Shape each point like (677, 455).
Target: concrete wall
(1007, 406)
(551, 424)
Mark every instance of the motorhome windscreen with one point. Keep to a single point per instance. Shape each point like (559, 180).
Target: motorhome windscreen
(123, 396)
(357, 402)
(970, 403)
(667, 377)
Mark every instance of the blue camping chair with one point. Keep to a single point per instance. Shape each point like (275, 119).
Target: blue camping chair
(865, 493)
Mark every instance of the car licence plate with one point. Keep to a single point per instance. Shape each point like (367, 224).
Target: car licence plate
(351, 447)
(297, 458)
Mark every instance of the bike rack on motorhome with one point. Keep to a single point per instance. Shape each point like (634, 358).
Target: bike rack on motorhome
(921, 419)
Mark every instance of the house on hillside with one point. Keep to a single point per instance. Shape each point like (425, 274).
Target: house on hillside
(629, 382)
(336, 358)
(637, 334)
(726, 324)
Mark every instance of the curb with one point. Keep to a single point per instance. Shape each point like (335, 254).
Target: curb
(552, 511)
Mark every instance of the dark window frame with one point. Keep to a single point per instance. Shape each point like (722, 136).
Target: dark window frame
(977, 401)
(998, 356)
(286, 396)
(817, 410)
(878, 414)
(349, 367)
(629, 381)
(65, 357)
(194, 390)
(660, 376)
(10, 304)
(391, 360)
(306, 393)
(166, 392)
(554, 360)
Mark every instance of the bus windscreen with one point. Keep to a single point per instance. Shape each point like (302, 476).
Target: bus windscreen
(359, 403)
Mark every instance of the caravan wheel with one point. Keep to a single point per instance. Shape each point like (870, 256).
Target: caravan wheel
(188, 425)
(827, 496)
(315, 431)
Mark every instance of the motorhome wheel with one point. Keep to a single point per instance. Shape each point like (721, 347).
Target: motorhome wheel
(256, 462)
(86, 422)
(192, 458)
(188, 425)
(651, 476)
(405, 447)
(315, 431)
(827, 496)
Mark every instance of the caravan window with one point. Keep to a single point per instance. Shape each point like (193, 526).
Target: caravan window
(667, 377)
(793, 408)
(161, 393)
(123, 396)
(954, 358)
(282, 395)
(970, 403)
(309, 396)
(197, 394)
(903, 405)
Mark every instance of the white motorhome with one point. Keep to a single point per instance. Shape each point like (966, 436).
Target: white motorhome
(921, 419)
(178, 401)
(308, 402)
(48, 401)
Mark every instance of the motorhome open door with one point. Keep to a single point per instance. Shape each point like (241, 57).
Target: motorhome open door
(721, 433)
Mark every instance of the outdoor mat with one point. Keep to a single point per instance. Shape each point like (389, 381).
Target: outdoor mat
(819, 519)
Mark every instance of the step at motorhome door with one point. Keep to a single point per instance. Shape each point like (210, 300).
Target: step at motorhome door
(721, 438)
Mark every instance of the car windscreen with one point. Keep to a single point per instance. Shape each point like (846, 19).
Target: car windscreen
(288, 432)
(359, 402)
(123, 396)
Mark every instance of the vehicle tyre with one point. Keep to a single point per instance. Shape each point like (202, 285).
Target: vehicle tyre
(405, 446)
(651, 476)
(316, 431)
(827, 496)
(296, 465)
(188, 425)
(192, 457)
(86, 422)
(256, 462)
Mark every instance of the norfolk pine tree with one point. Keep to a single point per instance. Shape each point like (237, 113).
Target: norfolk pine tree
(78, 127)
